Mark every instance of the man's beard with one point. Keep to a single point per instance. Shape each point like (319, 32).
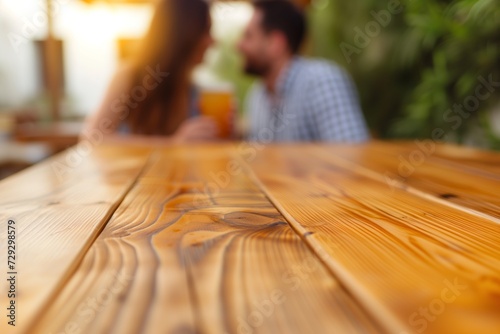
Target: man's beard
(253, 68)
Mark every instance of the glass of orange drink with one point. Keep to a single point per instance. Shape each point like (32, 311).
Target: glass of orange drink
(218, 103)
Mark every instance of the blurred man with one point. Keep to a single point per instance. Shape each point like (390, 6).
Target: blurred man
(296, 99)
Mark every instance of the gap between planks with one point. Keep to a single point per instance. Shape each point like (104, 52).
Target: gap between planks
(377, 177)
(73, 268)
(383, 318)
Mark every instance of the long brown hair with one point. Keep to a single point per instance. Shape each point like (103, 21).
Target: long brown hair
(176, 28)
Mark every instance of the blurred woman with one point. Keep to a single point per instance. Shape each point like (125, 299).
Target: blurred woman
(151, 98)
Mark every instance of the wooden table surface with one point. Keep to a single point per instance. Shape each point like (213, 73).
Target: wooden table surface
(241, 238)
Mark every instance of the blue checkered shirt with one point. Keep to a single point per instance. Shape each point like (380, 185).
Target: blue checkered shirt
(314, 100)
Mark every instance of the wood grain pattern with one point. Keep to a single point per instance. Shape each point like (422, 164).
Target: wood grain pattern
(469, 182)
(240, 238)
(57, 218)
(395, 251)
(202, 259)
(468, 157)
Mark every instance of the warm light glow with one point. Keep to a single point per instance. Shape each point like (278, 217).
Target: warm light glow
(229, 18)
(228, 22)
(90, 33)
(101, 21)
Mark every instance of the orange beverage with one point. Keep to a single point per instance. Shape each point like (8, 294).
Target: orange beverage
(218, 104)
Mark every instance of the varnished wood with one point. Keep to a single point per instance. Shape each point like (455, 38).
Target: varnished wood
(393, 249)
(56, 135)
(203, 262)
(202, 239)
(470, 181)
(58, 215)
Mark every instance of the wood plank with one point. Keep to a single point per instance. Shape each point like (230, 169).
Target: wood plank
(420, 168)
(203, 260)
(57, 135)
(396, 252)
(474, 161)
(59, 207)
(470, 157)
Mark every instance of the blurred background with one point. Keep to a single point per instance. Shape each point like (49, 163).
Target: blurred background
(414, 62)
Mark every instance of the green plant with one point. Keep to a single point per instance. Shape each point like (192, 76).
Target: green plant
(419, 65)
